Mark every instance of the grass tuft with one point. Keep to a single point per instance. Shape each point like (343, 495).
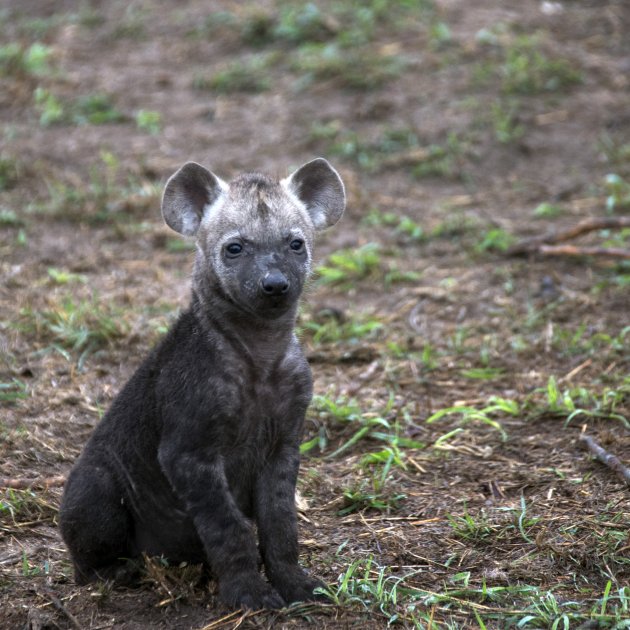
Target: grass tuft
(77, 325)
(246, 76)
(93, 109)
(18, 60)
(358, 70)
(350, 265)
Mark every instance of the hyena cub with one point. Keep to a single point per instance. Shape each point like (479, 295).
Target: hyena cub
(202, 442)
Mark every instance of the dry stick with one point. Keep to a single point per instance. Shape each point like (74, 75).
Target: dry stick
(572, 250)
(20, 483)
(51, 595)
(606, 458)
(533, 244)
(229, 618)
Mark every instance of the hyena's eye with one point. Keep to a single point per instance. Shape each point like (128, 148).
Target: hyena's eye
(233, 249)
(297, 245)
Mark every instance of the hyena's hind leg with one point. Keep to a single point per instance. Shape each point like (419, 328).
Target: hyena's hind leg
(97, 527)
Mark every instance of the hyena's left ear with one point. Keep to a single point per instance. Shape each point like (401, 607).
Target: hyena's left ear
(318, 186)
(189, 194)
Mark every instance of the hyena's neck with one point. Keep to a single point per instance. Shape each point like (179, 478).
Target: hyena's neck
(264, 341)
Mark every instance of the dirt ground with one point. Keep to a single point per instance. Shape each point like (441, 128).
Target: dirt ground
(444, 483)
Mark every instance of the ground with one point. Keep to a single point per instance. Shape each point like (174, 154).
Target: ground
(444, 483)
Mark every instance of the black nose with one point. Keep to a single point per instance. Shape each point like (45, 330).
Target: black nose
(275, 283)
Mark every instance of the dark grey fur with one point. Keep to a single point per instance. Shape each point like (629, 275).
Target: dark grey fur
(202, 442)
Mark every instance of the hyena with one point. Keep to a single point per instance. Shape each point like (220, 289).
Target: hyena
(200, 449)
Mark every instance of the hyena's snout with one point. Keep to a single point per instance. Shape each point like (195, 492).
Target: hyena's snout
(274, 283)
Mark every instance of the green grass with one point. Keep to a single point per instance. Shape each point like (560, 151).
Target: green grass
(247, 76)
(349, 145)
(349, 68)
(18, 60)
(78, 325)
(102, 198)
(25, 507)
(12, 391)
(96, 109)
(395, 148)
(288, 25)
(347, 24)
(580, 403)
(602, 537)
(472, 528)
(50, 108)
(371, 587)
(294, 24)
(343, 422)
(178, 245)
(30, 26)
(617, 191)
(149, 121)
(370, 495)
(30, 570)
(406, 230)
(456, 225)
(616, 238)
(568, 404)
(495, 240)
(21, 238)
(345, 267)
(397, 597)
(522, 67)
(526, 69)
(443, 160)
(350, 265)
(616, 152)
(486, 415)
(92, 109)
(586, 342)
(9, 172)
(483, 373)
(505, 120)
(63, 276)
(331, 330)
(547, 210)
(440, 35)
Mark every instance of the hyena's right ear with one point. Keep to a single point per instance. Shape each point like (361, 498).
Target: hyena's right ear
(189, 194)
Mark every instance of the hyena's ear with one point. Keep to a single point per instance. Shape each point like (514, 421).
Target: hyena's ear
(318, 186)
(189, 194)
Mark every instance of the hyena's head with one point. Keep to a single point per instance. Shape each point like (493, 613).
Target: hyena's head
(255, 234)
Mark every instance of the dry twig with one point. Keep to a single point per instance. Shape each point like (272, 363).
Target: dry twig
(606, 458)
(57, 603)
(231, 618)
(572, 250)
(543, 244)
(19, 483)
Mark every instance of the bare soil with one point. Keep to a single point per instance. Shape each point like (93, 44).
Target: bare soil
(465, 324)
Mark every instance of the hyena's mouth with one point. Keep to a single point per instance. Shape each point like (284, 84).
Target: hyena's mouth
(274, 306)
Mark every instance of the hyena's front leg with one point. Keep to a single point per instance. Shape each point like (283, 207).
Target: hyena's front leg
(198, 477)
(277, 526)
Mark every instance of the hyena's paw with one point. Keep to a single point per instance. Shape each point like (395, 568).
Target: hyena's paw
(249, 591)
(123, 574)
(295, 585)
